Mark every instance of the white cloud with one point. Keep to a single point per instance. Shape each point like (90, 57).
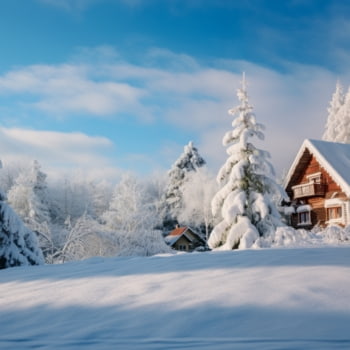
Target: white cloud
(58, 152)
(292, 106)
(185, 96)
(69, 89)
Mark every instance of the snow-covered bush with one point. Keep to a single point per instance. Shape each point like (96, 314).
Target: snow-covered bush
(143, 243)
(83, 239)
(288, 237)
(335, 234)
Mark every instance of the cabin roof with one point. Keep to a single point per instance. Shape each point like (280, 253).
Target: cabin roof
(179, 232)
(333, 157)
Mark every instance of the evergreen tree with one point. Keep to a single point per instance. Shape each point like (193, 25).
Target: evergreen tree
(18, 245)
(188, 162)
(342, 124)
(244, 205)
(336, 113)
(29, 198)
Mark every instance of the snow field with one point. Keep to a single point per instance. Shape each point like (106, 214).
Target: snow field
(251, 299)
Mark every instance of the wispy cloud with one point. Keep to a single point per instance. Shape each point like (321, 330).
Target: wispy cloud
(58, 152)
(68, 88)
(181, 94)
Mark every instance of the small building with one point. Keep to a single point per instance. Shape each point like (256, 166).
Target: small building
(318, 184)
(184, 239)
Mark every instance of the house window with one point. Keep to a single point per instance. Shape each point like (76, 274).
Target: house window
(304, 215)
(314, 178)
(334, 213)
(335, 209)
(304, 218)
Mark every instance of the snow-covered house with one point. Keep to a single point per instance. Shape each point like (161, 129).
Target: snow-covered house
(318, 184)
(185, 239)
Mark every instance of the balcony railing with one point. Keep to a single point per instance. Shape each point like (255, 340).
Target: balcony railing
(308, 190)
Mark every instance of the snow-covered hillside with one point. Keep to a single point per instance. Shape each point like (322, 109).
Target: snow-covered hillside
(251, 299)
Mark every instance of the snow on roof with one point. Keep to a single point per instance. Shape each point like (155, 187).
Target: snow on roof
(178, 231)
(175, 235)
(333, 157)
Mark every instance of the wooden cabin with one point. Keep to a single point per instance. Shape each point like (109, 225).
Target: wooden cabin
(185, 239)
(318, 184)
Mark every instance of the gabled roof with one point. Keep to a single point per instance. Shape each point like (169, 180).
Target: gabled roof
(179, 232)
(333, 157)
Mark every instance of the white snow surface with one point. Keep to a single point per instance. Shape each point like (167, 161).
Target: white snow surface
(249, 299)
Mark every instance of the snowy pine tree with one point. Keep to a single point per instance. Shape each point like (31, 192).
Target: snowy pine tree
(336, 112)
(244, 203)
(189, 161)
(18, 245)
(29, 198)
(342, 124)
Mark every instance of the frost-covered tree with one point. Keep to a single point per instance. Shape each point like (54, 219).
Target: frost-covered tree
(131, 218)
(9, 174)
(342, 128)
(100, 197)
(188, 162)
(198, 192)
(83, 239)
(29, 198)
(130, 209)
(18, 245)
(143, 243)
(336, 113)
(244, 204)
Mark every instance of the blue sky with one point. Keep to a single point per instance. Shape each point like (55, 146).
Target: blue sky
(122, 85)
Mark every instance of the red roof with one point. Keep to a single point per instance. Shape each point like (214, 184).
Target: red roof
(178, 231)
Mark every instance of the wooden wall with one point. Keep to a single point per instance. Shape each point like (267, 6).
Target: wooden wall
(318, 214)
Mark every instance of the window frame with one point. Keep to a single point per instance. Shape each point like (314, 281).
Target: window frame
(335, 204)
(304, 218)
(333, 213)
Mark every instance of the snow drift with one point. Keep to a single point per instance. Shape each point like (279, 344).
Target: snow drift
(248, 299)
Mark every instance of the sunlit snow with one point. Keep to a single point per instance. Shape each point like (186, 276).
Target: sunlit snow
(251, 299)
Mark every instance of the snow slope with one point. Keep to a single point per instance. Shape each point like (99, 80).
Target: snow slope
(251, 299)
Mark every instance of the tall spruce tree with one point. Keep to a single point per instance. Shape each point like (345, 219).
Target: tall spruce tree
(243, 205)
(188, 162)
(342, 124)
(18, 245)
(336, 113)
